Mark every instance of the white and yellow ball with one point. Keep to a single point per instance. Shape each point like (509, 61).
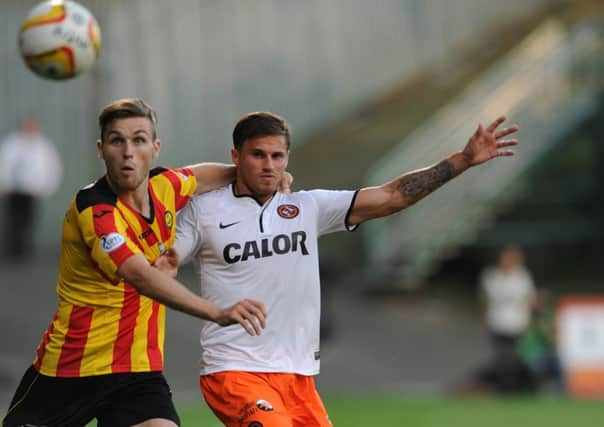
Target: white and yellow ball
(59, 39)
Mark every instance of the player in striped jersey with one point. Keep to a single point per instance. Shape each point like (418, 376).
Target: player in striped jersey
(102, 355)
(248, 239)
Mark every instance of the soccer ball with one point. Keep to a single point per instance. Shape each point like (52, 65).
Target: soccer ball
(59, 39)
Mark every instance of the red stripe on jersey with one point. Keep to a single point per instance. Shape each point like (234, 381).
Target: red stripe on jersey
(160, 216)
(179, 200)
(122, 360)
(147, 233)
(42, 347)
(153, 351)
(184, 171)
(133, 238)
(104, 223)
(74, 345)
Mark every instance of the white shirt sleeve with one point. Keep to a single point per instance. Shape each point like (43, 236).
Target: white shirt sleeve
(188, 232)
(333, 209)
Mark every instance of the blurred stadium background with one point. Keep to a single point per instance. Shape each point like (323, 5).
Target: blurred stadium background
(370, 89)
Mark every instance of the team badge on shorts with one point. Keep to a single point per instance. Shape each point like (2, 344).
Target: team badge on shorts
(264, 405)
(288, 211)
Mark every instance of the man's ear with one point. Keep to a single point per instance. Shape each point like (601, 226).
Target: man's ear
(99, 149)
(235, 156)
(156, 148)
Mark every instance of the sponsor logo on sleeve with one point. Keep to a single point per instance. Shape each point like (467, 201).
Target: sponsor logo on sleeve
(111, 242)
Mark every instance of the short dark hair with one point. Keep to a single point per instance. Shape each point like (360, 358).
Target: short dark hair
(253, 125)
(124, 108)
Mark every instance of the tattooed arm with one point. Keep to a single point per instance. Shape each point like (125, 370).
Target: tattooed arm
(409, 188)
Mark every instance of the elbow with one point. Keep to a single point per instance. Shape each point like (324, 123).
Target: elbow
(139, 280)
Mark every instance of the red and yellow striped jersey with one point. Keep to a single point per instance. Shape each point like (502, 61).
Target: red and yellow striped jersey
(103, 325)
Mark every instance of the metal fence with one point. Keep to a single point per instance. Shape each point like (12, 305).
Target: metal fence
(536, 86)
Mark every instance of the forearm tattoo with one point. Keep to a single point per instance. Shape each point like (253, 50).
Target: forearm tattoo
(425, 181)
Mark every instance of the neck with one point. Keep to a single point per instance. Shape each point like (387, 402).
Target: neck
(137, 199)
(240, 189)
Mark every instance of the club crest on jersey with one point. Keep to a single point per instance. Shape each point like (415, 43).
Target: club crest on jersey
(264, 405)
(169, 219)
(111, 242)
(288, 211)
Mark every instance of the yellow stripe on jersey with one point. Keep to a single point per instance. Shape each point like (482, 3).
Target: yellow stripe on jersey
(103, 325)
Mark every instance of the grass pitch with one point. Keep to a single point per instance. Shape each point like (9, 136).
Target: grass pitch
(394, 411)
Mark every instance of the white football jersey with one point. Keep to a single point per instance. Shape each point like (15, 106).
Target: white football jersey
(242, 249)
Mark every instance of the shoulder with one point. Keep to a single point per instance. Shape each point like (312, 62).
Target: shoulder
(179, 174)
(321, 197)
(213, 198)
(158, 171)
(98, 193)
(297, 198)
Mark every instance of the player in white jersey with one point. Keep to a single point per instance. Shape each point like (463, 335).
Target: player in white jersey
(249, 241)
(240, 248)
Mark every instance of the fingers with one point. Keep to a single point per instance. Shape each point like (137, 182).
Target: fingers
(251, 315)
(505, 153)
(506, 131)
(496, 123)
(286, 182)
(507, 143)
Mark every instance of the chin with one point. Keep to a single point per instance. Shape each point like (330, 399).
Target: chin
(266, 190)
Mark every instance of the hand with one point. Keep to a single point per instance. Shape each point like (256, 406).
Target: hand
(248, 313)
(286, 183)
(487, 144)
(168, 263)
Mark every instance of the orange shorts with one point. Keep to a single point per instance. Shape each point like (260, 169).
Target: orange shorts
(255, 399)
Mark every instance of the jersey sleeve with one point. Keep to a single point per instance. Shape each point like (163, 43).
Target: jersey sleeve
(187, 187)
(333, 210)
(107, 235)
(188, 233)
(181, 180)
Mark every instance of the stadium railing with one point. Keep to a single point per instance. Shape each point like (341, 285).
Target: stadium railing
(536, 85)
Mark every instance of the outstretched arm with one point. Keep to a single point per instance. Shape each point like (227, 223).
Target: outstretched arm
(409, 188)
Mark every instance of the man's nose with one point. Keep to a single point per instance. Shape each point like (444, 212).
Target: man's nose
(128, 149)
(268, 163)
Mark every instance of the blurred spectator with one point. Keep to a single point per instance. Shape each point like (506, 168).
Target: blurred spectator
(30, 168)
(537, 347)
(509, 293)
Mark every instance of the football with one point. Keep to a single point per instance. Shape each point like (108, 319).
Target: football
(59, 39)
